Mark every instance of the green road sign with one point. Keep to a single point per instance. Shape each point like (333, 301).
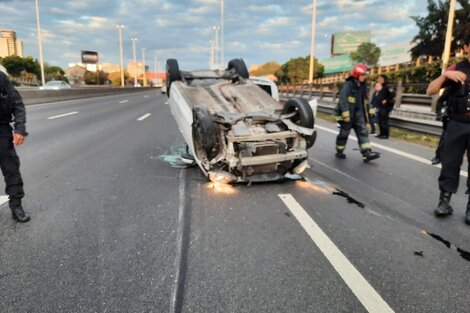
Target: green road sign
(339, 64)
(347, 42)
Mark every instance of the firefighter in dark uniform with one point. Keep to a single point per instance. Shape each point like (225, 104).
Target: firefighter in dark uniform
(457, 135)
(350, 113)
(12, 110)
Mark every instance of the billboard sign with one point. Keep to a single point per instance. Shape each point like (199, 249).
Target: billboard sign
(395, 54)
(347, 42)
(89, 57)
(339, 64)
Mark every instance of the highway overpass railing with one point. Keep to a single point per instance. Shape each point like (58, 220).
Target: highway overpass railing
(419, 118)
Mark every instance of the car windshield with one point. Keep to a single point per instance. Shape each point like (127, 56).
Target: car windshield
(54, 83)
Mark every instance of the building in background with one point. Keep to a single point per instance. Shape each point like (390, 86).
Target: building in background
(9, 44)
(76, 74)
(110, 68)
(136, 69)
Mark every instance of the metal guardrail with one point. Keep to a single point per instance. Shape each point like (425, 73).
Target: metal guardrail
(421, 126)
(45, 96)
(402, 91)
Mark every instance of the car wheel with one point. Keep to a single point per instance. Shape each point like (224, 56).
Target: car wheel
(303, 118)
(240, 68)
(172, 73)
(205, 132)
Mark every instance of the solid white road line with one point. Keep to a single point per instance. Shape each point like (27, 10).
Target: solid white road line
(140, 119)
(393, 150)
(62, 115)
(3, 199)
(124, 101)
(369, 298)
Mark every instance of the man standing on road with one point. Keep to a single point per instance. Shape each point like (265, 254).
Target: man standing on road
(385, 106)
(457, 135)
(350, 113)
(12, 110)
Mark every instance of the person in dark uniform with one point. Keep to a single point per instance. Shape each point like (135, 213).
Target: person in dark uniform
(385, 106)
(12, 110)
(350, 113)
(457, 135)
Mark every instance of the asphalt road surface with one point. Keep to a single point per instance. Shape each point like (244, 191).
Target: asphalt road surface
(118, 226)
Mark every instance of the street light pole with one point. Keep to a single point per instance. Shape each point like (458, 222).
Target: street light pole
(144, 79)
(134, 40)
(216, 29)
(211, 60)
(41, 61)
(312, 48)
(120, 27)
(222, 56)
(450, 27)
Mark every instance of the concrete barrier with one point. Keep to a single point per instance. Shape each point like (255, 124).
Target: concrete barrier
(45, 96)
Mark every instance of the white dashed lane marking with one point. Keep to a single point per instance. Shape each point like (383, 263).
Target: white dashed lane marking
(361, 288)
(62, 115)
(124, 101)
(3, 199)
(140, 119)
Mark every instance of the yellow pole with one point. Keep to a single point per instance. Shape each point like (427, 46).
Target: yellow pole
(450, 27)
(312, 48)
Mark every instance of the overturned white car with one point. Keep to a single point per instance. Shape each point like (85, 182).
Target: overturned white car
(235, 129)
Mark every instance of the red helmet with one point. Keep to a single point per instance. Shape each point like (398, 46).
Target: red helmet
(358, 70)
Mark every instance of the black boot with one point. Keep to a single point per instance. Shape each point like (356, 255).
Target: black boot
(444, 208)
(17, 211)
(369, 155)
(340, 155)
(436, 160)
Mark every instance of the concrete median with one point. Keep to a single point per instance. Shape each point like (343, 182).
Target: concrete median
(31, 97)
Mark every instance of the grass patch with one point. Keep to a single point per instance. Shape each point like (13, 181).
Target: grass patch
(430, 141)
(326, 117)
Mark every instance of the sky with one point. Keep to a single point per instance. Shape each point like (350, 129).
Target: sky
(256, 30)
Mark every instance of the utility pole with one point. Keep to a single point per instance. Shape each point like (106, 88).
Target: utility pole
(312, 49)
(120, 27)
(144, 78)
(41, 61)
(222, 56)
(450, 27)
(134, 40)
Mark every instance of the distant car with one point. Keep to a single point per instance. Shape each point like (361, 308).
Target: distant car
(236, 128)
(163, 89)
(55, 85)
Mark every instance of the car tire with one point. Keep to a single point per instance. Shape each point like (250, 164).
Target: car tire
(205, 132)
(240, 68)
(303, 118)
(172, 74)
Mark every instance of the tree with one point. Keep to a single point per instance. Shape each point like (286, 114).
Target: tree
(115, 78)
(367, 53)
(269, 68)
(54, 73)
(15, 65)
(297, 70)
(91, 78)
(430, 39)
